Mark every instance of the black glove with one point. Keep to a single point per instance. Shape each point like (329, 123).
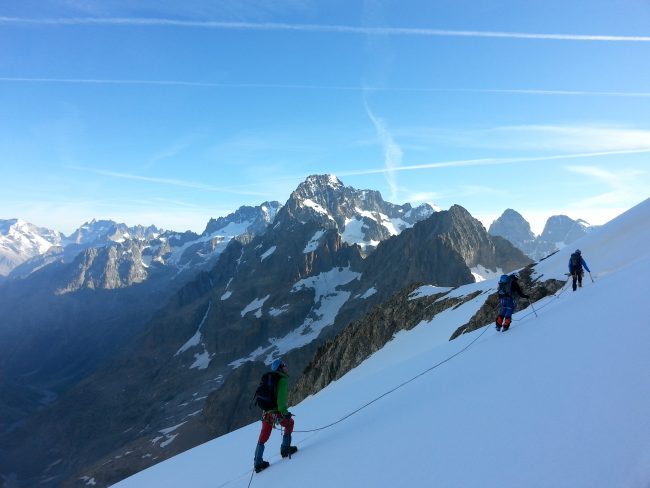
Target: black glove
(287, 415)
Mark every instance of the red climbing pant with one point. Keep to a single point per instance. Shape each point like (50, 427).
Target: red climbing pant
(269, 419)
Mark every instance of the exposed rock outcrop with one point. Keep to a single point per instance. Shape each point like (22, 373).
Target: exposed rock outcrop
(486, 315)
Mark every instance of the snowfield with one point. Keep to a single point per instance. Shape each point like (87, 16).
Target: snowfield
(560, 400)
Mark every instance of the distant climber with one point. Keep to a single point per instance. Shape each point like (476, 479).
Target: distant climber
(271, 396)
(576, 263)
(508, 287)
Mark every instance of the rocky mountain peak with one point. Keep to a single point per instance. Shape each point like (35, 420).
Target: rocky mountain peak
(361, 217)
(560, 228)
(512, 226)
(321, 181)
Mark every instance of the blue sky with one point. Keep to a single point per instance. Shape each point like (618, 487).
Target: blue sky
(169, 113)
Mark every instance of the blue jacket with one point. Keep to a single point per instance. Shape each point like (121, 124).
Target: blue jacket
(583, 264)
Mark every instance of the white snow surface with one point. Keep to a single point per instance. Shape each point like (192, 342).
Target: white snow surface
(233, 229)
(227, 232)
(268, 252)
(328, 300)
(369, 292)
(255, 306)
(201, 359)
(317, 207)
(312, 245)
(481, 273)
(274, 312)
(561, 400)
(427, 291)
(353, 233)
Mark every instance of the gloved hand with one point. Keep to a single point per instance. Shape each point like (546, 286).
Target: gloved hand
(287, 415)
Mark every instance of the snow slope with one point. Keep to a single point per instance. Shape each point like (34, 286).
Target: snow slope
(560, 400)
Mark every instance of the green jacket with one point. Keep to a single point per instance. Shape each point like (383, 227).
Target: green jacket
(283, 392)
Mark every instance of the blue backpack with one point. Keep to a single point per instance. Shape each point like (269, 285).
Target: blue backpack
(505, 286)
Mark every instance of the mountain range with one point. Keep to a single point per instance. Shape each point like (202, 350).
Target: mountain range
(145, 341)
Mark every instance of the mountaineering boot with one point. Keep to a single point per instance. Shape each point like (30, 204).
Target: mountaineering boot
(499, 322)
(286, 449)
(259, 463)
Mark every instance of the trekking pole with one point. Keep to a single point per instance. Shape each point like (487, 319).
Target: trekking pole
(531, 306)
(592, 278)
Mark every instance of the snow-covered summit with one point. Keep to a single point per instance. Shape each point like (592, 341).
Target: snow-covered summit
(21, 241)
(360, 216)
(560, 400)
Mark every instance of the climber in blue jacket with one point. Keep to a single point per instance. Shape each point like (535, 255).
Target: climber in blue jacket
(576, 263)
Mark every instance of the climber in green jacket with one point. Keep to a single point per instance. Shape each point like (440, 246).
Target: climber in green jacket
(272, 396)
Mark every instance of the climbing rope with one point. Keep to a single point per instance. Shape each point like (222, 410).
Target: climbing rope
(397, 387)
(410, 380)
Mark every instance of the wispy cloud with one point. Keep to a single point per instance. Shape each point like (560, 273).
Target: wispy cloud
(257, 10)
(392, 152)
(172, 150)
(575, 138)
(345, 29)
(169, 181)
(561, 93)
(491, 162)
(189, 83)
(571, 137)
(624, 186)
(453, 194)
(357, 88)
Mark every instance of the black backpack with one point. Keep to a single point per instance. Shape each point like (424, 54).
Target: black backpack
(266, 393)
(505, 286)
(576, 261)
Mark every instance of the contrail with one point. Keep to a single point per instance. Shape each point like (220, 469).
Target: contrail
(179, 83)
(392, 152)
(167, 181)
(293, 86)
(492, 161)
(347, 29)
